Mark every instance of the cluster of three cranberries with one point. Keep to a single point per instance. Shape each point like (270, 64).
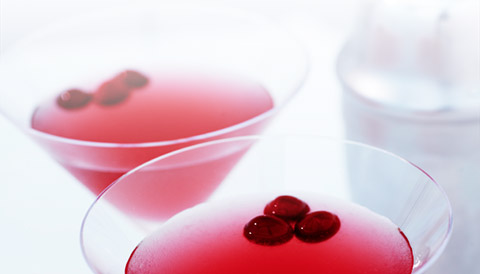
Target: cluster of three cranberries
(109, 93)
(287, 216)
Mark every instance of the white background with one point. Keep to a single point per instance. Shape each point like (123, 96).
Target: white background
(42, 206)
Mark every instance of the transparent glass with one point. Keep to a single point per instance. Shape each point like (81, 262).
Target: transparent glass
(173, 39)
(376, 179)
(415, 59)
(410, 73)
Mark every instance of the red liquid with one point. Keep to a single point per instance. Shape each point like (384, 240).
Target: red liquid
(209, 239)
(166, 108)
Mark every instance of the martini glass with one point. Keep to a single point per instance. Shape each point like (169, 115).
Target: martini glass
(406, 195)
(170, 40)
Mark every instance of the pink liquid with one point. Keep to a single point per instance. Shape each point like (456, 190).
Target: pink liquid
(168, 107)
(165, 109)
(209, 239)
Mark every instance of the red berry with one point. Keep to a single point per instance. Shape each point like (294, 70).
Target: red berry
(73, 98)
(317, 226)
(111, 93)
(133, 79)
(287, 207)
(268, 230)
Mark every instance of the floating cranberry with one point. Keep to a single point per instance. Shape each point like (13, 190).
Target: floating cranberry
(111, 93)
(134, 79)
(317, 226)
(287, 207)
(73, 98)
(268, 230)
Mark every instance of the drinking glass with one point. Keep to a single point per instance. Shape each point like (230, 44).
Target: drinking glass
(376, 179)
(410, 74)
(83, 51)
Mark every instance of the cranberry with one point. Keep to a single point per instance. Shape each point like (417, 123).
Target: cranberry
(73, 98)
(317, 226)
(287, 207)
(133, 79)
(111, 93)
(268, 230)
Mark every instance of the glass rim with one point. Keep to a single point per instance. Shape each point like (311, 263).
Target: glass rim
(467, 115)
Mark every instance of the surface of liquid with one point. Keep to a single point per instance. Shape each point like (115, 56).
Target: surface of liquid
(209, 239)
(166, 108)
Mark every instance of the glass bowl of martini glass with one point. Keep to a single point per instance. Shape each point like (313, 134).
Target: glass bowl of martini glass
(107, 91)
(289, 204)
